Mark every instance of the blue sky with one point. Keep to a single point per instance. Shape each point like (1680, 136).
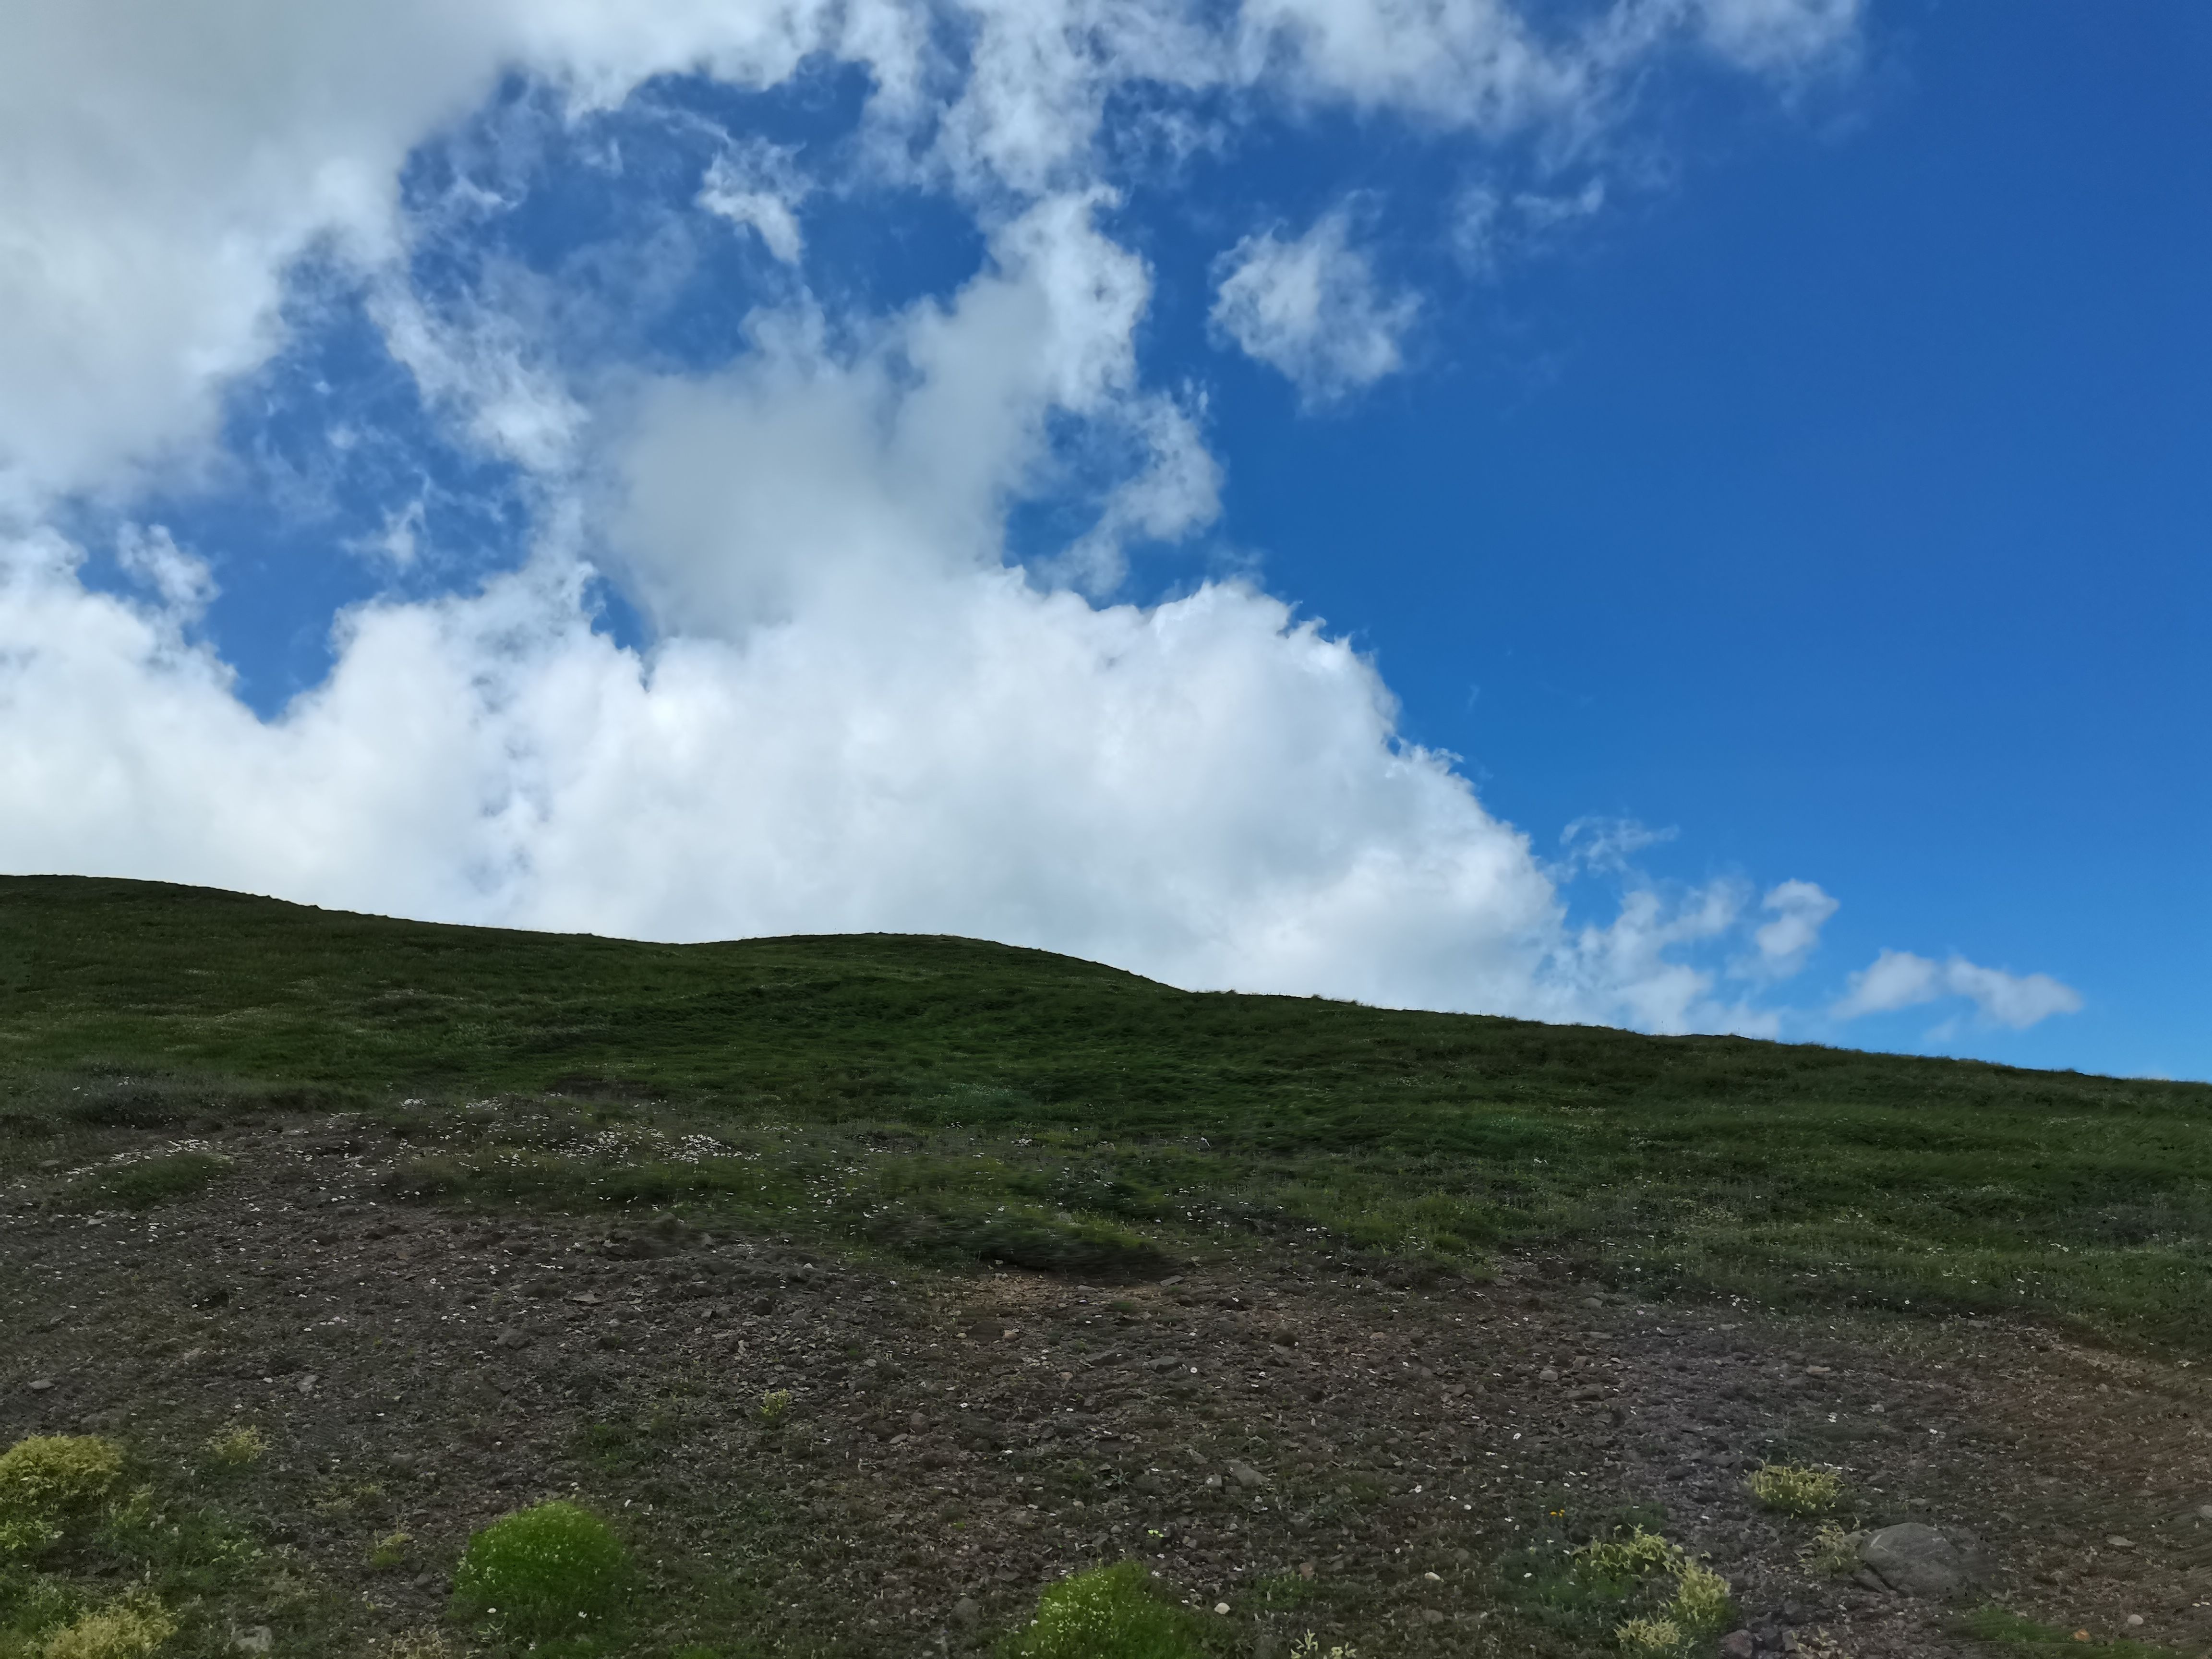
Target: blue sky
(1689, 513)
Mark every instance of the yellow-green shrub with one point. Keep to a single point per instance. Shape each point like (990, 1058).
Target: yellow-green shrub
(236, 1448)
(1654, 1639)
(128, 1629)
(1795, 1489)
(1701, 1604)
(48, 1480)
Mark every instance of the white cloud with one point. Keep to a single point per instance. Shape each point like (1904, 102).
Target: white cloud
(1206, 791)
(1601, 844)
(859, 717)
(1789, 37)
(759, 183)
(854, 715)
(1898, 978)
(1311, 309)
(1800, 910)
(167, 163)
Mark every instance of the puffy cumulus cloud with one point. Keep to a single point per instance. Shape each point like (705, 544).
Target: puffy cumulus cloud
(812, 471)
(1312, 309)
(1898, 978)
(1800, 909)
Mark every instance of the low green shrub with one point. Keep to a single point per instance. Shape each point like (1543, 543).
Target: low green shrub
(50, 1481)
(1637, 1567)
(1795, 1489)
(1652, 1638)
(1702, 1605)
(553, 1570)
(128, 1629)
(1109, 1612)
(390, 1552)
(236, 1448)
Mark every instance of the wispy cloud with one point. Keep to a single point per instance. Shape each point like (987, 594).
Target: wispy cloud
(1900, 979)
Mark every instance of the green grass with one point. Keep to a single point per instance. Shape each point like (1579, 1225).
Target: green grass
(2015, 1633)
(939, 1096)
(145, 1182)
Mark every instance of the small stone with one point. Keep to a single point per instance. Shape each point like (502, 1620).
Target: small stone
(2135, 1621)
(1433, 1578)
(1432, 1615)
(40, 1384)
(1547, 1375)
(2119, 1543)
(307, 1382)
(1739, 1645)
(2204, 1511)
(1221, 1607)
(1245, 1475)
(259, 1640)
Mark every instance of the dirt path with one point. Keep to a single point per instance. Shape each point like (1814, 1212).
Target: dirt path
(1316, 1449)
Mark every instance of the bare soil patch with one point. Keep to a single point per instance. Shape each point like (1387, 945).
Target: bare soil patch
(1319, 1449)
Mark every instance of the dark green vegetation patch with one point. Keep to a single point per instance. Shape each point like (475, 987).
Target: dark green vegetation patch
(941, 1096)
(553, 1573)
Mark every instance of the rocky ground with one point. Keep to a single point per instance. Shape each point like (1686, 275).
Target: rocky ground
(1303, 1445)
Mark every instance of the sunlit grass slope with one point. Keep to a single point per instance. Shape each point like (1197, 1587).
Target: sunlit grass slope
(923, 1092)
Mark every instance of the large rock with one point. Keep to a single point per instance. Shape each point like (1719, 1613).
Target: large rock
(1918, 1560)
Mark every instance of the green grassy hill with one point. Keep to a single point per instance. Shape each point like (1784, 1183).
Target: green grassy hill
(943, 1095)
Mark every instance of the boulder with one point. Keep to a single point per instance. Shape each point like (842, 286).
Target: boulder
(1918, 1560)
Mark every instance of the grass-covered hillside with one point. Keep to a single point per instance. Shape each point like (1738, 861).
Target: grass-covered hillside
(944, 1097)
